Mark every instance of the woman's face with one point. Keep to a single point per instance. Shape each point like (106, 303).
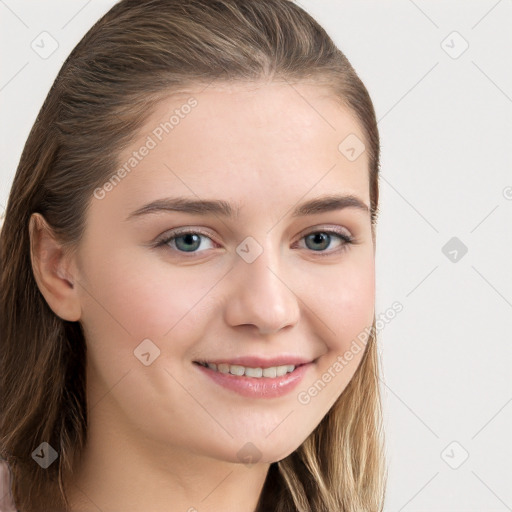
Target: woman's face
(260, 283)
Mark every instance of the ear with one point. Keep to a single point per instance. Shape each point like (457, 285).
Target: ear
(50, 266)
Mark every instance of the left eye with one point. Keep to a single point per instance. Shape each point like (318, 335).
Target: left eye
(190, 241)
(324, 238)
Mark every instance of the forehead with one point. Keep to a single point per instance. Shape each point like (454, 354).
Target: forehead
(248, 140)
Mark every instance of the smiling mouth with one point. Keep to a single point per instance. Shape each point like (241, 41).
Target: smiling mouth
(247, 371)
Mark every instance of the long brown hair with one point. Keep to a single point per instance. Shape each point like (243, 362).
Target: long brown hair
(138, 52)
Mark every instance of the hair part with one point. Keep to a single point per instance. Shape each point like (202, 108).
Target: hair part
(138, 53)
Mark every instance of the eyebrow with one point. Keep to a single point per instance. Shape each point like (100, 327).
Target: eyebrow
(218, 207)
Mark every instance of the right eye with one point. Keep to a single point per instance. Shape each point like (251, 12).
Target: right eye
(183, 241)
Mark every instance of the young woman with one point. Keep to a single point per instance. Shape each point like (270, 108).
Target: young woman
(188, 271)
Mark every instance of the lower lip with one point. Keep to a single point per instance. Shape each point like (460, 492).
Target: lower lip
(258, 387)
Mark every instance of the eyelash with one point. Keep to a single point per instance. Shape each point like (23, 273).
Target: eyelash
(346, 239)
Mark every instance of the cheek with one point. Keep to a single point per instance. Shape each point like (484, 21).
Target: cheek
(348, 302)
(131, 299)
(349, 311)
(344, 312)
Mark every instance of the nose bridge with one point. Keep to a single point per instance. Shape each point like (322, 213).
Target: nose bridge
(260, 295)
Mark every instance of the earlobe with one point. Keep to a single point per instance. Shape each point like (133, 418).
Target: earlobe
(49, 265)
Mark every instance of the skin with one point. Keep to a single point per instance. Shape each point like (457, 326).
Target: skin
(164, 433)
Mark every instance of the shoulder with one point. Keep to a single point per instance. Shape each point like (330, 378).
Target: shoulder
(6, 501)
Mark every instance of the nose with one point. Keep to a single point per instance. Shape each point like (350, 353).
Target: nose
(261, 296)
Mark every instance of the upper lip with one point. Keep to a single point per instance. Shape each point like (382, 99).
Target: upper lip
(261, 362)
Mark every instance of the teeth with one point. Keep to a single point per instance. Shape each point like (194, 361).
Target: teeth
(236, 369)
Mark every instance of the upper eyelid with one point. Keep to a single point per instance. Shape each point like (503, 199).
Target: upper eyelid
(325, 227)
(176, 232)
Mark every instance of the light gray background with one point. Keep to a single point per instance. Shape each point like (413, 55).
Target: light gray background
(445, 120)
